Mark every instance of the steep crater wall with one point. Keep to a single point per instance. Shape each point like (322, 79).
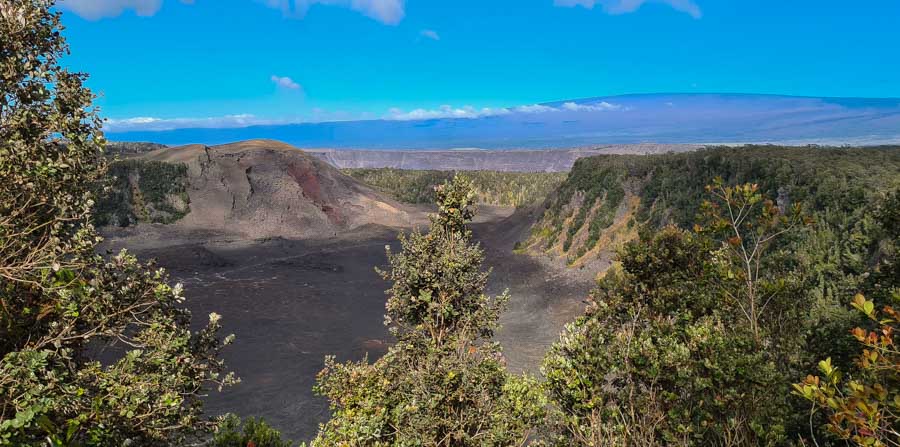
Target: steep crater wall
(606, 198)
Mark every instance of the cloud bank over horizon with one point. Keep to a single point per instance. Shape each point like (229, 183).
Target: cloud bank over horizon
(144, 123)
(707, 118)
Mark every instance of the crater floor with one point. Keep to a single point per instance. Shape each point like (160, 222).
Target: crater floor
(292, 302)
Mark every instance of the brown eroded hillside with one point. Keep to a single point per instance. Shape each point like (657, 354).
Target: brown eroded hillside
(264, 188)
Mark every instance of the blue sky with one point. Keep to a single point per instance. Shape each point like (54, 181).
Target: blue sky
(231, 62)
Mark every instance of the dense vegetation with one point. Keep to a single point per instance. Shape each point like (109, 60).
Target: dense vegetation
(836, 185)
(698, 335)
(143, 191)
(124, 149)
(63, 308)
(729, 295)
(492, 187)
(735, 289)
(233, 432)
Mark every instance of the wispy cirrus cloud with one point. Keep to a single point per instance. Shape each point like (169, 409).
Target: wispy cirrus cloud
(430, 34)
(626, 6)
(285, 82)
(389, 12)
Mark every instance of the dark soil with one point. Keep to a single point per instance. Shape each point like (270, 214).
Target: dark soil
(290, 303)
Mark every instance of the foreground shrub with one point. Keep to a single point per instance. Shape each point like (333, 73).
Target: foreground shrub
(690, 342)
(232, 432)
(93, 351)
(658, 360)
(865, 408)
(443, 383)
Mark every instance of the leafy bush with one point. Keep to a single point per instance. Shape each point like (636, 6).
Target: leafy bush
(443, 383)
(659, 358)
(691, 342)
(63, 305)
(866, 408)
(232, 432)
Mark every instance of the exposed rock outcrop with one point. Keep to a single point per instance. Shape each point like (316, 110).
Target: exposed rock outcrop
(263, 188)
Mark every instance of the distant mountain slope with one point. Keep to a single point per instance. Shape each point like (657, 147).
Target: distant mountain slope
(661, 118)
(264, 188)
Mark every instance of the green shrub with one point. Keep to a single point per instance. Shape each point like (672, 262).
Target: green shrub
(684, 346)
(443, 383)
(232, 432)
(866, 408)
(64, 307)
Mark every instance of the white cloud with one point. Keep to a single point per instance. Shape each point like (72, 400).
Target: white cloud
(447, 111)
(444, 111)
(98, 9)
(626, 6)
(534, 108)
(390, 12)
(599, 107)
(146, 123)
(430, 34)
(285, 82)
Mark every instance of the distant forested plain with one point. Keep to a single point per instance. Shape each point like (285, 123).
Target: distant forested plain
(512, 189)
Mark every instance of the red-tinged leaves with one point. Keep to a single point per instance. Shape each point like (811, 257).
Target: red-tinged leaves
(861, 408)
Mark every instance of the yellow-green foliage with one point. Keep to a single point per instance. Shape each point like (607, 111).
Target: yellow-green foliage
(491, 187)
(143, 191)
(864, 409)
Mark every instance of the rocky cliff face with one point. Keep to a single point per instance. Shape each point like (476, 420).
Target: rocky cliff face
(606, 198)
(264, 188)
